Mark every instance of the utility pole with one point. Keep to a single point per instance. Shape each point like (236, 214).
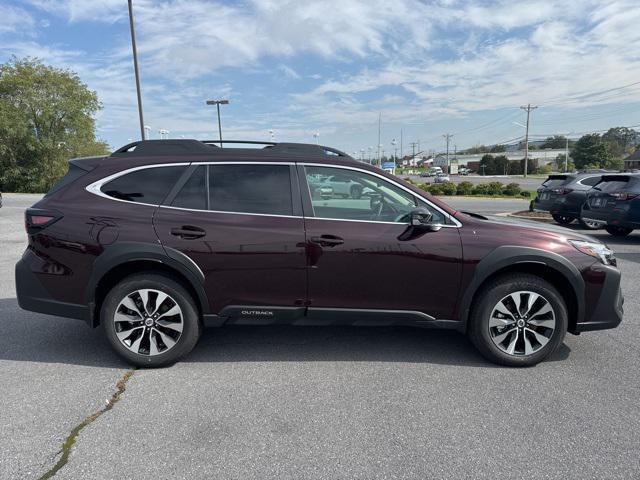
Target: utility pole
(528, 109)
(379, 145)
(401, 145)
(413, 148)
(566, 155)
(448, 136)
(135, 68)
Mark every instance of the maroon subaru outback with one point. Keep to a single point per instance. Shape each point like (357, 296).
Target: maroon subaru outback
(164, 237)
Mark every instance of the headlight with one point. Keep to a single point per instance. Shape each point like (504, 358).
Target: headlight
(595, 250)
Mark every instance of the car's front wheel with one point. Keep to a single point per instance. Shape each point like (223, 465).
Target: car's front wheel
(150, 320)
(618, 231)
(519, 321)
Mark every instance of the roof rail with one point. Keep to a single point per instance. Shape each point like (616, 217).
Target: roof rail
(190, 146)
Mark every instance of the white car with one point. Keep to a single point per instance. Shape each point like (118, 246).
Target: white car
(441, 178)
(344, 186)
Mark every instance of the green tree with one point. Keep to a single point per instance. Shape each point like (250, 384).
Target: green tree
(498, 149)
(557, 141)
(620, 140)
(591, 151)
(501, 163)
(489, 163)
(46, 117)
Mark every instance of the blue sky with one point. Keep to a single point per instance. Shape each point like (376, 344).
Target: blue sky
(332, 66)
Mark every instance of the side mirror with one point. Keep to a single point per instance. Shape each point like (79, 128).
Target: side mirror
(420, 216)
(419, 223)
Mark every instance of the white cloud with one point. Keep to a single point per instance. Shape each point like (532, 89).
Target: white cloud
(15, 20)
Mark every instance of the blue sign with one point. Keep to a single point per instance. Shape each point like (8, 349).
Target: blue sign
(388, 165)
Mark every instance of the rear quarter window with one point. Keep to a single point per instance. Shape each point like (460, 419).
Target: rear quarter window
(147, 185)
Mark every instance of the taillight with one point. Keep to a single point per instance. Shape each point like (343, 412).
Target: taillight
(36, 219)
(562, 191)
(623, 195)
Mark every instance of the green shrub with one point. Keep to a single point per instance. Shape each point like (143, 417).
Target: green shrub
(465, 188)
(525, 194)
(494, 188)
(448, 188)
(513, 190)
(435, 189)
(481, 189)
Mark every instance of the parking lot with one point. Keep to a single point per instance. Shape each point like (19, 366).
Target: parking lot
(318, 402)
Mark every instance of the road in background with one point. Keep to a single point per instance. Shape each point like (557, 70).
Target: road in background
(319, 402)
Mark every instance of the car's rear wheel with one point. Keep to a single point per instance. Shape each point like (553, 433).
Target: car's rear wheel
(519, 321)
(562, 219)
(150, 320)
(590, 224)
(618, 231)
(355, 191)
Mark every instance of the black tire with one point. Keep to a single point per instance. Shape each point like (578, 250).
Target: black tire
(355, 191)
(590, 226)
(618, 231)
(190, 319)
(562, 219)
(491, 295)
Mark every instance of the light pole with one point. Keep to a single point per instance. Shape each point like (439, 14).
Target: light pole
(135, 68)
(395, 150)
(217, 103)
(362, 154)
(316, 135)
(164, 134)
(272, 135)
(370, 158)
(447, 137)
(147, 132)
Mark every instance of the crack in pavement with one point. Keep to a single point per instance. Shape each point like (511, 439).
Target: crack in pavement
(73, 435)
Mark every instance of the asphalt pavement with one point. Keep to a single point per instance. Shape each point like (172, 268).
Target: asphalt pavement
(292, 402)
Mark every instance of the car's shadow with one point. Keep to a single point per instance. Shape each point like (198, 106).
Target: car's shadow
(33, 337)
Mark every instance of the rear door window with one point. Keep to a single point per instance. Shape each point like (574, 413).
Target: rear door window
(613, 186)
(193, 195)
(250, 188)
(147, 185)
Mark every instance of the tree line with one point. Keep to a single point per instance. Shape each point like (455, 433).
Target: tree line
(591, 151)
(46, 117)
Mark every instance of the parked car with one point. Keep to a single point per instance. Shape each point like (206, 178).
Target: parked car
(164, 237)
(615, 201)
(563, 195)
(464, 171)
(338, 185)
(442, 178)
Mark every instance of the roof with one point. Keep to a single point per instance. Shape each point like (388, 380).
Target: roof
(634, 156)
(150, 148)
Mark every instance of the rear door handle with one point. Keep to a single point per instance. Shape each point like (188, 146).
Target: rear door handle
(188, 232)
(327, 240)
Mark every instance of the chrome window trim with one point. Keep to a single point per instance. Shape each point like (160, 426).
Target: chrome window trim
(458, 224)
(95, 188)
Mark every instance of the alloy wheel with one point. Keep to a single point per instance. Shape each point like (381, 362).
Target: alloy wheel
(522, 323)
(148, 322)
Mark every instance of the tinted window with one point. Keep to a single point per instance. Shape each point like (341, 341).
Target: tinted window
(354, 195)
(148, 185)
(194, 193)
(591, 181)
(250, 189)
(553, 182)
(613, 186)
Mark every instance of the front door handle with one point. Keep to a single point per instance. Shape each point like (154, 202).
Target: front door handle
(188, 232)
(327, 240)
